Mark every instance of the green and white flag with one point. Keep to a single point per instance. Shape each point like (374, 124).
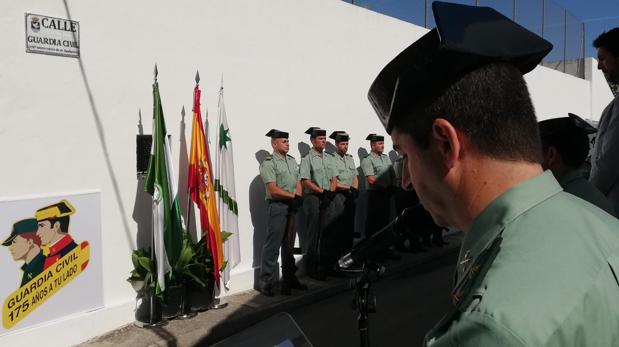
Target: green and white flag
(226, 195)
(161, 184)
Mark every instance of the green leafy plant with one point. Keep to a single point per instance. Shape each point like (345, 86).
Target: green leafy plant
(143, 277)
(194, 265)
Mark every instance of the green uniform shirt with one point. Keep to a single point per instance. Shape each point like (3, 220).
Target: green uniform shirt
(283, 171)
(536, 269)
(33, 268)
(380, 167)
(318, 167)
(575, 183)
(345, 168)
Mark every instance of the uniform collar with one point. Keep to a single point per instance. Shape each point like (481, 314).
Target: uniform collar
(315, 153)
(376, 154)
(58, 246)
(278, 156)
(501, 212)
(570, 177)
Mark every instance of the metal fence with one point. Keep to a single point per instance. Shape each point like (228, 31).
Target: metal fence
(545, 17)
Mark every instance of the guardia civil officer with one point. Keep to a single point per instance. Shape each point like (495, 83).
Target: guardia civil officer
(53, 230)
(604, 163)
(24, 244)
(347, 191)
(380, 176)
(537, 266)
(318, 179)
(280, 174)
(565, 145)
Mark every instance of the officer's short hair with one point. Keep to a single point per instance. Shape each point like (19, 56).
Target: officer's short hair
(32, 236)
(608, 40)
(64, 223)
(492, 106)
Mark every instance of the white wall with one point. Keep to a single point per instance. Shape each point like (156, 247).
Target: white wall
(69, 125)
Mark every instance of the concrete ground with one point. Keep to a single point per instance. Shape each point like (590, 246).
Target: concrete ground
(250, 307)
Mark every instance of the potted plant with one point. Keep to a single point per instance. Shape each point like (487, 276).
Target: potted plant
(143, 279)
(199, 278)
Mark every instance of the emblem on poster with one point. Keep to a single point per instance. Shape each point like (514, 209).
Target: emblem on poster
(48, 256)
(52, 36)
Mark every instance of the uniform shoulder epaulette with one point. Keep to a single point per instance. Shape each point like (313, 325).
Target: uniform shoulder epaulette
(289, 156)
(330, 154)
(349, 155)
(268, 157)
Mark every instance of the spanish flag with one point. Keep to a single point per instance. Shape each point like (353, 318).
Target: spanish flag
(201, 189)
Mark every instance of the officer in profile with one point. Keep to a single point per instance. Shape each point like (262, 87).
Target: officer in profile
(565, 145)
(280, 174)
(318, 179)
(604, 163)
(53, 230)
(24, 244)
(347, 191)
(537, 266)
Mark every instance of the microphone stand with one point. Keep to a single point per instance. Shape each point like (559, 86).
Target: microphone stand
(366, 252)
(364, 301)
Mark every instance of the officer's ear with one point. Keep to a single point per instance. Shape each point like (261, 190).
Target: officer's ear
(551, 155)
(448, 141)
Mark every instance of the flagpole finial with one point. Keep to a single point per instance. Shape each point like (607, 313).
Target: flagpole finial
(140, 128)
(183, 111)
(197, 77)
(222, 81)
(156, 72)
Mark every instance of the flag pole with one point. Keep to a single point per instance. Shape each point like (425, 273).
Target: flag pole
(152, 250)
(216, 303)
(152, 320)
(186, 312)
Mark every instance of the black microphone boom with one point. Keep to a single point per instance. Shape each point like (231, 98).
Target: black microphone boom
(384, 238)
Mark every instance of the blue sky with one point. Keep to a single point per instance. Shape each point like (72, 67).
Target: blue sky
(597, 15)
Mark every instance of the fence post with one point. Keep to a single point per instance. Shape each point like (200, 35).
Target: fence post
(564, 39)
(514, 10)
(425, 14)
(543, 16)
(582, 54)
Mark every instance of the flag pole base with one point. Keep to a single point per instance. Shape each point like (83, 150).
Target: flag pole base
(187, 315)
(217, 304)
(150, 325)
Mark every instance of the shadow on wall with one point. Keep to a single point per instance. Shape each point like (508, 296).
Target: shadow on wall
(393, 156)
(142, 215)
(257, 210)
(183, 172)
(102, 141)
(304, 149)
(330, 148)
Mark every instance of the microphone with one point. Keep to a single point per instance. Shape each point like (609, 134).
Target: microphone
(383, 238)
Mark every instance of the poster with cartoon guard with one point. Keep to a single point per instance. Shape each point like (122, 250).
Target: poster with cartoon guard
(50, 259)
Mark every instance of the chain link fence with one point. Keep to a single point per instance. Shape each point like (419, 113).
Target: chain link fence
(544, 17)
